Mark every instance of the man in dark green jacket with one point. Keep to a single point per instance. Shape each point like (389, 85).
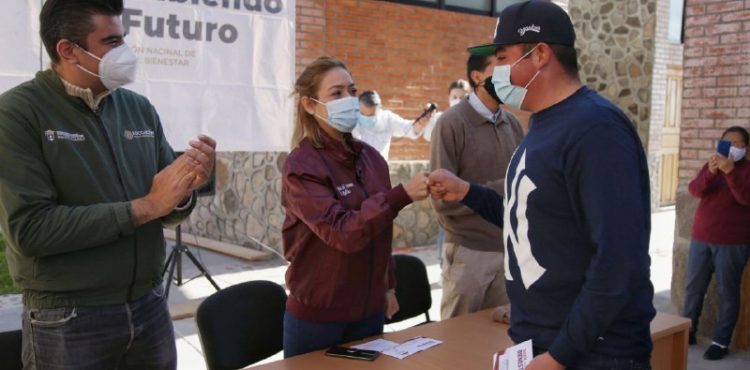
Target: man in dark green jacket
(87, 180)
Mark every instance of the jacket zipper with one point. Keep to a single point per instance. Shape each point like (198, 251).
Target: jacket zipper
(110, 147)
(358, 177)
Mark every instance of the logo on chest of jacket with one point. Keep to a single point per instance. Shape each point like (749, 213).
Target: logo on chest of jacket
(53, 135)
(141, 134)
(345, 189)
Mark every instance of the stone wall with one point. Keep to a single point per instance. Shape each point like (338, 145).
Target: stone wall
(615, 43)
(716, 96)
(247, 203)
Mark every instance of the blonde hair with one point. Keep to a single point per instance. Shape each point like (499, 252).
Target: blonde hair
(307, 84)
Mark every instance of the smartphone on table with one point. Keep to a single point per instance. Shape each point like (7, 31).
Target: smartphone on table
(353, 353)
(722, 147)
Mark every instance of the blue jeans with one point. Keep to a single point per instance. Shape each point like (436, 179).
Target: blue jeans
(727, 261)
(303, 336)
(136, 335)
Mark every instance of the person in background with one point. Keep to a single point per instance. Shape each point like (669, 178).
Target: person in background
(457, 90)
(377, 125)
(474, 139)
(87, 183)
(720, 239)
(576, 214)
(340, 208)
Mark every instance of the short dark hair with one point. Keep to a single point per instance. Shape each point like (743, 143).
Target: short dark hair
(476, 63)
(370, 98)
(71, 19)
(566, 55)
(459, 84)
(740, 130)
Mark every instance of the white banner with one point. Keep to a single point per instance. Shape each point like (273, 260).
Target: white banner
(19, 41)
(220, 67)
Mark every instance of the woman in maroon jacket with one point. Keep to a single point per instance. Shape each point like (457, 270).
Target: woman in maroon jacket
(720, 239)
(339, 218)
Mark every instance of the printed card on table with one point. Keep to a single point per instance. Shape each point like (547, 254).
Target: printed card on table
(513, 358)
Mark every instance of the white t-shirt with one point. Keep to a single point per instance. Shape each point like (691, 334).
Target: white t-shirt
(387, 125)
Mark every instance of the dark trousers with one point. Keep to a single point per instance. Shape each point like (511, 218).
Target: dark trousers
(136, 335)
(303, 336)
(593, 361)
(727, 262)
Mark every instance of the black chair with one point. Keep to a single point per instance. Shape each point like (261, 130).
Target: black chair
(10, 350)
(412, 289)
(242, 324)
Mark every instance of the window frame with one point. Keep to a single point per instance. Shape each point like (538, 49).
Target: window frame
(440, 4)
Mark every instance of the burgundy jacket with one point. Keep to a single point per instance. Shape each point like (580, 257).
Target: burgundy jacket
(338, 230)
(723, 215)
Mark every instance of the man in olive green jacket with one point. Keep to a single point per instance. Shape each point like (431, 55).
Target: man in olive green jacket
(87, 180)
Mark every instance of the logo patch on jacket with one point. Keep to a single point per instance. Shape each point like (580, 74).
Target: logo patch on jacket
(142, 134)
(53, 135)
(345, 189)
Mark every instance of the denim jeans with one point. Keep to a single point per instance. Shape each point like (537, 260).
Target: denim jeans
(303, 336)
(136, 335)
(727, 261)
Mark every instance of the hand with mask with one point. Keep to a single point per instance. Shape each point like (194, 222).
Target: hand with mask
(724, 164)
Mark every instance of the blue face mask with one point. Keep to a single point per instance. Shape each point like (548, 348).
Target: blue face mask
(342, 113)
(508, 93)
(365, 121)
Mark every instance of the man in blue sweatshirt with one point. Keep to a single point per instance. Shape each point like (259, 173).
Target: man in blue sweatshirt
(576, 211)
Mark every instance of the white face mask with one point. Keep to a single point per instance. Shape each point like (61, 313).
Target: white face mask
(342, 113)
(116, 68)
(508, 93)
(737, 153)
(453, 102)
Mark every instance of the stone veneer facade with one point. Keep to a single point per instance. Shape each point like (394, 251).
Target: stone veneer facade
(615, 42)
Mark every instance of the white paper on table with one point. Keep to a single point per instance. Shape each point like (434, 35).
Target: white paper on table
(412, 346)
(514, 358)
(379, 345)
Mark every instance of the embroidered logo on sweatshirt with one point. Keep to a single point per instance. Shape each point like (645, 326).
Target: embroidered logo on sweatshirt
(345, 189)
(53, 135)
(142, 134)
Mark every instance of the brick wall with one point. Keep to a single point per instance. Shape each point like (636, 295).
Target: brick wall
(716, 78)
(409, 54)
(716, 96)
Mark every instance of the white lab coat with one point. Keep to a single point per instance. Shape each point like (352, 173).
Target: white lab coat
(387, 125)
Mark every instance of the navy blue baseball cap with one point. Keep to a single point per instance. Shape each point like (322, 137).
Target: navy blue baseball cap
(530, 22)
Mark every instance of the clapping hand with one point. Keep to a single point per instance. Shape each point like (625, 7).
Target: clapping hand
(202, 156)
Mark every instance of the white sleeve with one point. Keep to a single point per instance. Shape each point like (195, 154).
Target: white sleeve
(400, 127)
(427, 133)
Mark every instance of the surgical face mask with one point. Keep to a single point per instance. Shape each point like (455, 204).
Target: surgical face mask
(116, 68)
(453, 102)
(365, 121)
(737, 153)
(508, 93)
(342, 113)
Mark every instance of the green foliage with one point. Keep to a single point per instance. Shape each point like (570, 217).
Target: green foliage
(6, 283)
